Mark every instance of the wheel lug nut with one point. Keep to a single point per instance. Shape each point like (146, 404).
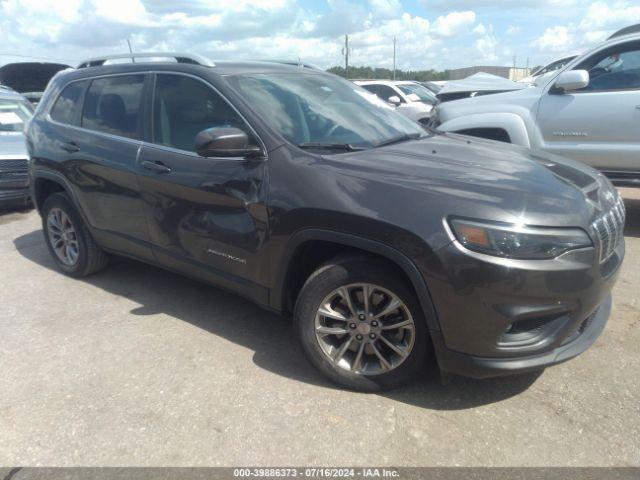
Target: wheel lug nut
(352, 325)
(361, 316)
(374, 324)
(372, 336)
(358, 337)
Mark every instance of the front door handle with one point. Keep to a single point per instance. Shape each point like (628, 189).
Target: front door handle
(157, 167)
(70, 147)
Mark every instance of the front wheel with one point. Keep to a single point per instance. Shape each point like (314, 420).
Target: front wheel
(361, 325)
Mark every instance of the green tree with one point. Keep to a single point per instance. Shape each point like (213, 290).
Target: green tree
(371, 73)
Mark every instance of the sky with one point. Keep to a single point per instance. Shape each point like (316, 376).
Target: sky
(431, 34)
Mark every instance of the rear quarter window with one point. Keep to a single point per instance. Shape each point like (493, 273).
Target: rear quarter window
(68, 102)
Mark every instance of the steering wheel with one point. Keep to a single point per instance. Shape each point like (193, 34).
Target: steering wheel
(332, 130)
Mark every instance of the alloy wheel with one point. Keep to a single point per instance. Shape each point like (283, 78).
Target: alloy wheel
(63, 237)
(365, 329)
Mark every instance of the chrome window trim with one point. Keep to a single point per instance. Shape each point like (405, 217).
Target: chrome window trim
(141, 141)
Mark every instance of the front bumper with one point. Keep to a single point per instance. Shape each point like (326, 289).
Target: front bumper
(485, 367)
(499, 316)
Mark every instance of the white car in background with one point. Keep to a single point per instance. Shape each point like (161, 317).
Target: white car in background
(410, 98)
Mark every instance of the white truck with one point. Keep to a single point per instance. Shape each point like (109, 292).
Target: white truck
(588, 111)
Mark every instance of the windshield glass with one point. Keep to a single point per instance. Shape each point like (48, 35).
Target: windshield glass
(553, 66)
(423, 93)
(323, 109)
(14, 114)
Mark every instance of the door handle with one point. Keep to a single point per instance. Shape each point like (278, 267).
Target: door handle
(157, 167)
(70, 147)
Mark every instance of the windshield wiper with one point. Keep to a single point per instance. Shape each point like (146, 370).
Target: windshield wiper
(398, 139)
(331, 146)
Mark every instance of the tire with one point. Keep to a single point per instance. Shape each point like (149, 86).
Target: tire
(365, 373)
(89, 257)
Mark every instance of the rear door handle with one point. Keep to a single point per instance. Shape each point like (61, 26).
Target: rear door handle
(70, 147)
(157, 167)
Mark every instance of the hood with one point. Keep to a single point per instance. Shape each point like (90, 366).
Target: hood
(12, 145)
(29, 76)
(509, 181)
(478, 83)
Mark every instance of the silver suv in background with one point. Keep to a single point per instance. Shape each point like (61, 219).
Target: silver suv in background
(410, 98)
(588, 111)
(15, 111)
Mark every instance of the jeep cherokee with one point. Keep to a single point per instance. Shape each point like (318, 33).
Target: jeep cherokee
(387, 243)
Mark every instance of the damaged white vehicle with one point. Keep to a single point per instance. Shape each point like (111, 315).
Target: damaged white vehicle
(588, 111)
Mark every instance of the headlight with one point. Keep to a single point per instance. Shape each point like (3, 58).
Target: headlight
(513, 241)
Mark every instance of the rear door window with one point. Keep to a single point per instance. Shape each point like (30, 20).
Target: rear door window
(66, 107)
(112, 105)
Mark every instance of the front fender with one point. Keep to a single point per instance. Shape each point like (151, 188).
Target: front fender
(360, 243)
(511, 123)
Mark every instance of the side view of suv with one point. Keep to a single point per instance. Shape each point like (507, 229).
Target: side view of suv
(389, 245)
(589, 111)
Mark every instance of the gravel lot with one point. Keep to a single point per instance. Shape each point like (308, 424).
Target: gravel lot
(137, 366)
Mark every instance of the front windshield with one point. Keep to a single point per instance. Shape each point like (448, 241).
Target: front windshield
(13, 115)
(323, 109)
(421, 92)
(553, 66)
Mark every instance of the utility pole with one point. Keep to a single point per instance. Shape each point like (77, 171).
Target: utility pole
(133, 60)
(394, 57)
(345, 52)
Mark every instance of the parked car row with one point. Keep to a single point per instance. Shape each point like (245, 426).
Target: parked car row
(389, 244)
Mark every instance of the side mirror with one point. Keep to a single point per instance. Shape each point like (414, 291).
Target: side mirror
(571, 80)
(224, 142)
(395, 100)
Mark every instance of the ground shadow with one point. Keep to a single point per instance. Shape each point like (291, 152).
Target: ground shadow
(268, 335)
(8, 215)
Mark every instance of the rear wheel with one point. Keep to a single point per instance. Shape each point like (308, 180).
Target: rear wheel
(68, 239)
(361, 325)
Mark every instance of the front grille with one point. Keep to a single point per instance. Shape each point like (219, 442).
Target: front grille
(610, 229)
(13, 171)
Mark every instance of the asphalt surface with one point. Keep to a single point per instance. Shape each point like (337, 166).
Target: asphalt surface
(136, 366)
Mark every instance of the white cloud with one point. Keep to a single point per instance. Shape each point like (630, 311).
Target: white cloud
(448, 5)
(458, 36)
(453, 23)
(513, 30)
(486, 47)
(479, 29)
(597, 23)
(555, 39)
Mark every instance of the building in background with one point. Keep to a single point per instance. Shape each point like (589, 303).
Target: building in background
(512, 73)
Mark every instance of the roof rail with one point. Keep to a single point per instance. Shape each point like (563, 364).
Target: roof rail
(626, 31)
(294, 63)
(190, 58)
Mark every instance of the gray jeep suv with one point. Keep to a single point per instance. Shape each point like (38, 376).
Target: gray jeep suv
(388, 244)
